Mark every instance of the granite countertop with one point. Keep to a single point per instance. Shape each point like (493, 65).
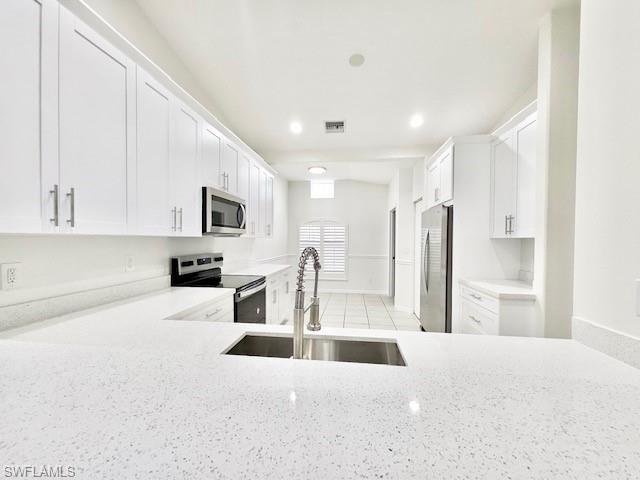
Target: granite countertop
(121, 393)
(502, 289)
(264, 269)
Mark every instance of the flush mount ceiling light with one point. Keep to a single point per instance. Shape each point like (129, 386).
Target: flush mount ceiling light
(416, 120)
(317, 170)
(295, 127)
(356, 60)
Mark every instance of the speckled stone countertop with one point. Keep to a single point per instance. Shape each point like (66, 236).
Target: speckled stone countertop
(120, 393)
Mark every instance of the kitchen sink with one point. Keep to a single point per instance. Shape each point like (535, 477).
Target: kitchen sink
(382, 352)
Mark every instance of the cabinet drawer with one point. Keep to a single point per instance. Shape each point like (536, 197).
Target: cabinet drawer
(481, 299)
(477, 320)
(217, 311)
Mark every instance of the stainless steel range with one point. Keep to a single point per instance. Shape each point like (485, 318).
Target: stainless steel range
(205, 270)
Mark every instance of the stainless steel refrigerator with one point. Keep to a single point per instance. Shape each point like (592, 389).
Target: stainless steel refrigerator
(435, 280)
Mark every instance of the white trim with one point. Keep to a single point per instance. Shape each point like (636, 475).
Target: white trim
(516, 119)
(609, 341)
(384, 293)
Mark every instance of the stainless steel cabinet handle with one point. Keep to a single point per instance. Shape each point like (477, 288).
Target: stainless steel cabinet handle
(174, 211)
(511, 217)
(477, 297)
(56, 217)
(180, 211)
(506, 224)
(474, 319)
(72, 207)
(211, 314)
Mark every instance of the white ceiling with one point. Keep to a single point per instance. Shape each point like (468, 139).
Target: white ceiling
(264, 63)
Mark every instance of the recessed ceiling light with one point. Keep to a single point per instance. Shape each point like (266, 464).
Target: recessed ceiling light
(295, 127)
(416, 120)
(317, 170)
(356, 60)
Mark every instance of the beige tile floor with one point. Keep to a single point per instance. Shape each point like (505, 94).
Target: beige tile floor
(364, 311)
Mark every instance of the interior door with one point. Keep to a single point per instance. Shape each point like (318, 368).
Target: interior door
(28, 101)
(97, 130)
(184, 172)
(153, 192)
(503, 184)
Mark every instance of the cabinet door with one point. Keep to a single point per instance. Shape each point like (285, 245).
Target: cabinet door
(433, 184)
(230, 168)
(243, 178)
(262, 204)
(211, 157)
(254, 199)
(28, 106)
(446, 176)
(503, 170)
(184, 172)
(153, 192)
(269, 207)
(526, 147)
(97, 130)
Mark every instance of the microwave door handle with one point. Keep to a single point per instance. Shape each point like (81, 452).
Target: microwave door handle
(244, 215)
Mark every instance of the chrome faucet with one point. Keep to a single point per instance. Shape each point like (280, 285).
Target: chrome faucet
(299, 310)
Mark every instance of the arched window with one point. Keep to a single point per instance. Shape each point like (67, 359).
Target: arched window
(330, 239)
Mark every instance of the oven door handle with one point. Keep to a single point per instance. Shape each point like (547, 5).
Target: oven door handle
(247, 293)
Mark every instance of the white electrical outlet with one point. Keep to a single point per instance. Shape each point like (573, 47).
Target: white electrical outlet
(130, 264)
(10, 275)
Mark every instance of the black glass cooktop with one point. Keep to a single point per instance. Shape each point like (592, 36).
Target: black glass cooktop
(238, 282)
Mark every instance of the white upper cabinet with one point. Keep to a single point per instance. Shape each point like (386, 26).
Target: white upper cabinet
(97, 130)
(243, 177)
(269, 207)
(439, 178)
(186, 201)
(513, 180)
(253, 209)
(230, 168)
(262, 204)
(28, 115)
(211, 157)
(153, 184)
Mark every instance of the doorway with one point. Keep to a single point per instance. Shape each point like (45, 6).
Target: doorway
(392, 253)
(417, 256)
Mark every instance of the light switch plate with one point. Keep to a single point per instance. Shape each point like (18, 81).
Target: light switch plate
(10, 275)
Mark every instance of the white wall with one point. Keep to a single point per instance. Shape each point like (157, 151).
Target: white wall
(363, 208)
(555, 190)
(607, 227)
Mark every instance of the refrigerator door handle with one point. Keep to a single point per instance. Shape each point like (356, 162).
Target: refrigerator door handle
(425, 262)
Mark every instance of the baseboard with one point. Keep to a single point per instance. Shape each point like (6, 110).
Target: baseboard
(355, 292)
(616, 344)
(12, 316)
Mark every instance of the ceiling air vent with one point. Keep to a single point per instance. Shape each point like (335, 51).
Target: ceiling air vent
(334, 127)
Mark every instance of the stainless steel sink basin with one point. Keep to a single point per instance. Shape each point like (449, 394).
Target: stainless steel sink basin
(382, 352)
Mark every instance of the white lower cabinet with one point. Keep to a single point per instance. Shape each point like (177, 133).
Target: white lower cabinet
(220, 310)
(483, 314)
(280, 297)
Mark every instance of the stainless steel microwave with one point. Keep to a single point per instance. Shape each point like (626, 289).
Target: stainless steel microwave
(223, 214)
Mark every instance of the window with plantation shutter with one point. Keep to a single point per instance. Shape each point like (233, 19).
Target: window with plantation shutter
(330, 239)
